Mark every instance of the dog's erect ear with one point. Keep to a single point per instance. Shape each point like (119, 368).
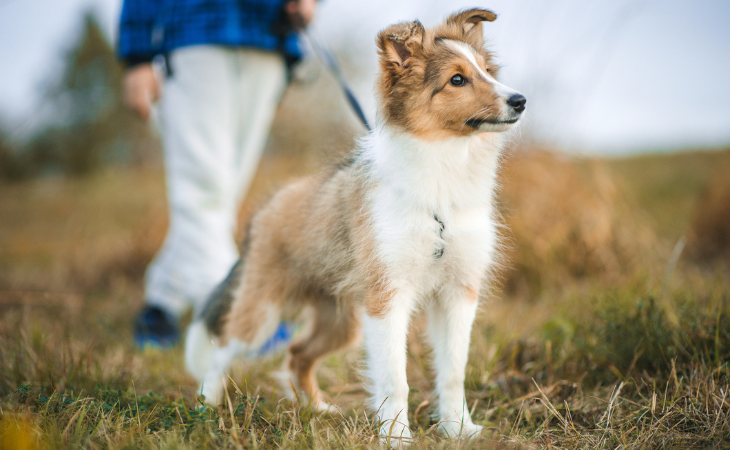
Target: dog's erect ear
(470, 23)
(398, 43)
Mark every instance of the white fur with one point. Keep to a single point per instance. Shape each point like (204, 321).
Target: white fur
(213, 383)
(199, 346)
(208, 362)
(385, 341)
(450, 319)
(414, 180)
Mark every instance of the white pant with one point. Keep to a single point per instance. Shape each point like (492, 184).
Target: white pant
(216, 109)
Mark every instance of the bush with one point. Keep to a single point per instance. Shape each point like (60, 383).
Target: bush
(625, 336)
(710, 231)
(568, 220)
(637, 336)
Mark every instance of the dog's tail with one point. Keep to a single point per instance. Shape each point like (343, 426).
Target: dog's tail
(207, 326)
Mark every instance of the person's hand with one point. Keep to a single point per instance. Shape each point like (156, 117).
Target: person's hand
(301, 12)
(141, 89)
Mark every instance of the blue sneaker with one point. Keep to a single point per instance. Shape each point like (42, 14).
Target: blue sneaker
(155, 328)
(282, 336)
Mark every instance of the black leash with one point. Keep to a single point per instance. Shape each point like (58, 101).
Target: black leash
(331, 63)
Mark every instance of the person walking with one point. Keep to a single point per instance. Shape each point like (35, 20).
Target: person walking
(225, 70)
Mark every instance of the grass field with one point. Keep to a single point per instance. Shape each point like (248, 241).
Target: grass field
(609, 326)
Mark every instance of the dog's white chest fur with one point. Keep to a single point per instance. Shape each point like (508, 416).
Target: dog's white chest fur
(432, 206)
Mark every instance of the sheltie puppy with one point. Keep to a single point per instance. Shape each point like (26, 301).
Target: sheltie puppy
(405, 224)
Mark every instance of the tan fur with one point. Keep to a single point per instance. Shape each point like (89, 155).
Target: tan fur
(411, 54)
(309, 247)
(333, 328)
(472, 293)
(377, 301)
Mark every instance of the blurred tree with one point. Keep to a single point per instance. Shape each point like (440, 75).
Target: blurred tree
(87, 125)
(10, 167)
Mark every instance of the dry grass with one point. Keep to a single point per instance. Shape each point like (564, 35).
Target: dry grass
(569, 221)
(710, 233)
(593, 344)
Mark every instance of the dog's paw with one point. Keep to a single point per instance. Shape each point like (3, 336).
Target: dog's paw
(457, 429)
(286, 382)
(323, 407)
(395, 434)
(212, 392)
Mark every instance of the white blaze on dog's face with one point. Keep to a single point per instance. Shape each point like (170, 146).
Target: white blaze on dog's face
(441, 83)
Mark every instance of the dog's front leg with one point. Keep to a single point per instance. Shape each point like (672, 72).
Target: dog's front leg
(450, 321)
(385, 328)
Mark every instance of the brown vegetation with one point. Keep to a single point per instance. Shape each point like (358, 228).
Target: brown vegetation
(710, 233)
(584, 349)
(569, 220)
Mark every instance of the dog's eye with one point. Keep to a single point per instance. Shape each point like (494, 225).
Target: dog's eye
(457, 80)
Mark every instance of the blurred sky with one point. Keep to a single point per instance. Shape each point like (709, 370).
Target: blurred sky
(609, 77)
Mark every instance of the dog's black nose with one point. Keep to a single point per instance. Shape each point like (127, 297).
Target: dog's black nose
(517, 101)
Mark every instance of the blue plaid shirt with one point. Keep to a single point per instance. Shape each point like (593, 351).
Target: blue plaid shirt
(153, 27)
